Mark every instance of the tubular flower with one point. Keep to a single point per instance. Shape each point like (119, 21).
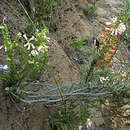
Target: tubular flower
(110, 26)
(109, 65)
(3, 67)
(89, 123)
(112, 51)
(121, 28)
(98, 63)
(29, 45)
(34, 53)
(110, 41)
(40, 48)
(25, 36)
(108, 58)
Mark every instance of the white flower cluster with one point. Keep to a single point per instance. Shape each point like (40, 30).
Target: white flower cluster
(88, 124)
(116, 30)
(102, 79)
(3, 67)
(34, 50)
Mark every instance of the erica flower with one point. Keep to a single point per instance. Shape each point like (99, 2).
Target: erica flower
(98, 63)
(29, 45)
(121, 28)
(102, 79)
(112, 51)
(109, 65)
(114, 29)
(25, 36)
(32, 38)
(114, 19)
(1, 47)
(89, 123)
(3, 67)
(80, 127)
(108, 58)
(40, 48)
(34, 53)
(108, 23)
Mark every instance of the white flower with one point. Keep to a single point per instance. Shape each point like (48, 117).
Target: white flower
(40, 48)
(29, 45)
(123, 73)
(7, 88)
(5, 49)
(46, 48)
(107, 29)
(89, 123)
(80, 127)
(37, 30)
(108, 23)
(4, 67)
(121, 28)
(114, 20)
(112, 31)
(118, 30)
(102, 79)
(34, 53)
(1, 47)
(31, 38)
(25, 36)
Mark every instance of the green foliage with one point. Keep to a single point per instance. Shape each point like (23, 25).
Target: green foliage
(90, 11)
(9, 90)
(26, 57)
(60, 122)
(78, 44)
(44, 9)
(69, 117)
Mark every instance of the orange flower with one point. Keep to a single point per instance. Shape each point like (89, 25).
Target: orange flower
(113, 47)
(115, 39)
(108, 58)
(98, 63)
(108, 26)
(103, 40)
(112, 51)
(109, 65)
(105, 33)
(118, 37)
(109, 45)
(115, 43)
(109, 31)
